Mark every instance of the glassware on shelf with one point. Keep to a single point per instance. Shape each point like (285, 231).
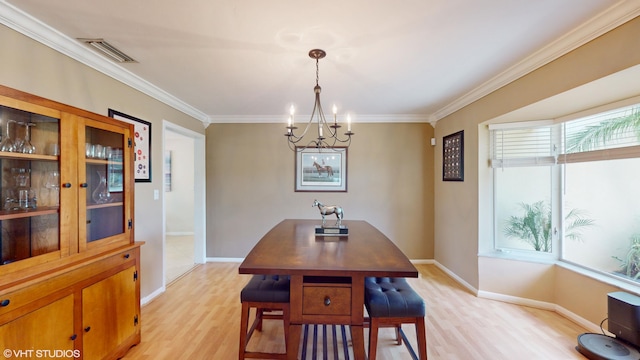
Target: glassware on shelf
(101, 194)
(21, 176)
(26, 199)
(53, 149)
(10, 202)
(25, 145)
(26, 196)
(7, 143)
(52, 183)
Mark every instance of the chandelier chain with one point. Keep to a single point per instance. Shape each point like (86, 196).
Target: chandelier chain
(317, 72)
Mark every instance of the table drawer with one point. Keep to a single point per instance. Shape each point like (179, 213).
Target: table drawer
(326, 300)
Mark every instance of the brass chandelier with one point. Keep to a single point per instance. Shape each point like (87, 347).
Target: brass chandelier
(327, 132)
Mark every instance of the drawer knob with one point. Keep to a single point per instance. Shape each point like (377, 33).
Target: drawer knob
(5, 302)
(126, 256)
(74, 336)
(327, 301)
(87, 329)
(66, 185)
(84, 185)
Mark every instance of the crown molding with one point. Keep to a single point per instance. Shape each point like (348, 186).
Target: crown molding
(270, 119)
(614, 16)
(29, 26)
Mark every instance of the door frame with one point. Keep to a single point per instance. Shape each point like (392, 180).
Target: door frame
(199, 190)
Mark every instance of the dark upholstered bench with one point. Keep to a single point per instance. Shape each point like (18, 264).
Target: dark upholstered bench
(267, 294)
(392, 302)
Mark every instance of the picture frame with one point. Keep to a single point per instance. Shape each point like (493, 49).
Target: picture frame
(141, 144)
(321, 170)
(167, 170)
(453, 157)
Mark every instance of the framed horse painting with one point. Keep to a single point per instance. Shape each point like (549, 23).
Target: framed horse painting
(321, 170)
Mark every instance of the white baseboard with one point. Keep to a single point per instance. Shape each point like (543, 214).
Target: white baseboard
(145, 300)
(542, 305)
(423, 261)
(221, 259)
(180, 233)
(517, 300)
(524, 302)
(457, 278)
(580, 320)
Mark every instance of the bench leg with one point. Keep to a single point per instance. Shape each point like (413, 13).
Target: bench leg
(259, 314)
(421, 334)
(244, 324)
(373, 338)
(285, 316)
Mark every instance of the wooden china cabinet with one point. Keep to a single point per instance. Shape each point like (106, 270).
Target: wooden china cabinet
(69, 265)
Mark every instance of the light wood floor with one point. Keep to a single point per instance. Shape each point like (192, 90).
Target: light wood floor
(198, 317)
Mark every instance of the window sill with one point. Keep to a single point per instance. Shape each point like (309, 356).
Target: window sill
(519, 256)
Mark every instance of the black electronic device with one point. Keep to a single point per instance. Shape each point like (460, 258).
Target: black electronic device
(603, 347)
(624, 316)
(624, 323)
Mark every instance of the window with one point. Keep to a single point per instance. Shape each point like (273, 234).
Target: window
(524, 162)
(569, 190)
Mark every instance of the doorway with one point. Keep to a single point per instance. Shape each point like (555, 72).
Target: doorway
(183, 205)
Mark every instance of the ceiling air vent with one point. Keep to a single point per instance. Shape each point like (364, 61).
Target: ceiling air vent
(109, 50)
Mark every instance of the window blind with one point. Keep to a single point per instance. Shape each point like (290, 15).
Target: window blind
(522, 146)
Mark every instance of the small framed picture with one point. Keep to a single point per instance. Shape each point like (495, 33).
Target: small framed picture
(321, 169)
(453, 157)
(141, 143)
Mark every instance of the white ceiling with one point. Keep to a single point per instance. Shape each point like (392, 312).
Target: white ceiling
(246, 60)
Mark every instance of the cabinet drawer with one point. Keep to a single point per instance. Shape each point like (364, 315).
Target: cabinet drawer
(326, 300)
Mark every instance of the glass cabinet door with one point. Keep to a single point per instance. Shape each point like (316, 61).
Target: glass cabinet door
(105, 196)
(29, 186)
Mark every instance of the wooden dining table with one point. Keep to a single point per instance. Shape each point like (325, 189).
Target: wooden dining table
(327, 273)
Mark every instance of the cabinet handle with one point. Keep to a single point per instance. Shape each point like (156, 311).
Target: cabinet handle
(5, 302)
(66, 185)
(87, 329)
(74, 336)
(84, 185)
(126, 256)
(327, 301)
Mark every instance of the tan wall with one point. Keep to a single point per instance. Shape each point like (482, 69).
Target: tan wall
(250, 185)
(34, 68)
(505, 276)
(459, 205)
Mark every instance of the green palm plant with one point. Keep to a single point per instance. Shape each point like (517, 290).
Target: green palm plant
(630, 265)
(534, 226)
(594, 136)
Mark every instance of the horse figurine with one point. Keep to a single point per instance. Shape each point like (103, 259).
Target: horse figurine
(321, 168)
(328, 210)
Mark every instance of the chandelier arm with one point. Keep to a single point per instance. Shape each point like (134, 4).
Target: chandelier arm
(294, 136)
(292, 145)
